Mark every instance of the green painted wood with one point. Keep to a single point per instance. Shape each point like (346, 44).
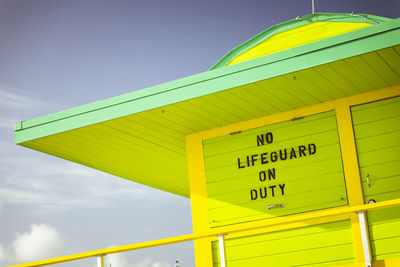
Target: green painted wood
(239, 192)
(377, 132)
(321, 245)
(291, 24)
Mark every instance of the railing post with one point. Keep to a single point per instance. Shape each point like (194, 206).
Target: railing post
(221, 245)
(100, 261)
(364, 237)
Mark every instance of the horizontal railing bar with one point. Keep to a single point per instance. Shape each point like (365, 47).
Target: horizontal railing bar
(218, 231)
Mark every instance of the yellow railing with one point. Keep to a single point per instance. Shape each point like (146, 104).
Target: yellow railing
(218, 232)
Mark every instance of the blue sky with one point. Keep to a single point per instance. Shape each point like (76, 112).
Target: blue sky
(56, 55)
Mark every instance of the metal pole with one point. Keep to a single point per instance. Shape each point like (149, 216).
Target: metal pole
(364, 237)
(100, 261)
(221, 244)
(313, 7)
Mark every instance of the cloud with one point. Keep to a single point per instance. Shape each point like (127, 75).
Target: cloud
(148, 262)
(2, 253)
(51, 192)
(17, 105)
(144, 263)
(119, 260)
(41, 242)
(9, 97)
(55, 185)
(50, 184)
(160, 264)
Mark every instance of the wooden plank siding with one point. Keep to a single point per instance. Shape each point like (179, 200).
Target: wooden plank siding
(377, 133)
(304, 182)
(321, 245)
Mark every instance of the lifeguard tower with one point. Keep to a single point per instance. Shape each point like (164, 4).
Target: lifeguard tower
(288, 147)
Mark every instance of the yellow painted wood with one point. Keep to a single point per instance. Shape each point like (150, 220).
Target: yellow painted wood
(269, 90)
(385, 69)
(279, 223)
(165, 138)
(283, 88)
(392, 58)
(296, 37)
(319, 245)
(351, 75)
(263, 98)
(375, 95)
(394, 262)
(337, 79)
(92, 151)
(309, 86)
(366, 72)
(377, 133)
(357, 239)
(238, 104)
(203, 109)
(320, 126)
(397, 48)
(255, 94)
(198, 199)
(284, 226)
(349, 153)
(298, 191)
(121, 158)
(329, 87)
(291, 82)
(354, 100)
(224, 107)
(302, 112)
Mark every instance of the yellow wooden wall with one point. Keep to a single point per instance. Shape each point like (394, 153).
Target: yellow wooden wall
(367, 132)
(377, 134)
(301, 181)
(321, 245)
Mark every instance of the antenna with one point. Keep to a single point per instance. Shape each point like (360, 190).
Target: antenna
(313, 7)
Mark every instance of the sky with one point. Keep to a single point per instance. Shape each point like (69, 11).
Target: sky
(56, 55)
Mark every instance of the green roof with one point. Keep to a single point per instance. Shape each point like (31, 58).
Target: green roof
(295, 23)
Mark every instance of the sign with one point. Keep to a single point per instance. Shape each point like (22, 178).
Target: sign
(274, 170)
